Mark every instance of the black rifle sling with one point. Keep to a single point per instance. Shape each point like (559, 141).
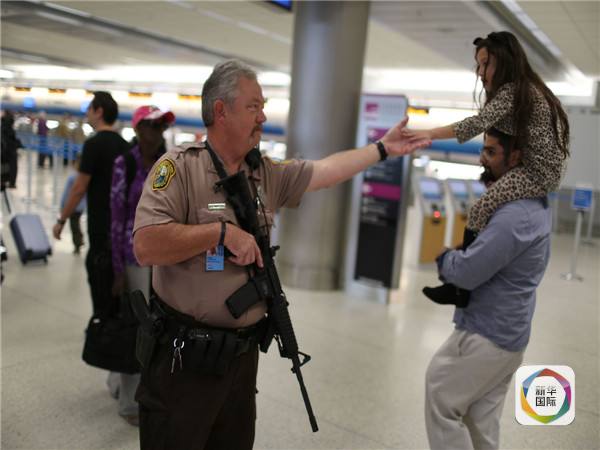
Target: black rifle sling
(216, 161)
(250, 293)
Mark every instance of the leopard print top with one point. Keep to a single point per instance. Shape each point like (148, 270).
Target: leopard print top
(543, 162)
(542, 157)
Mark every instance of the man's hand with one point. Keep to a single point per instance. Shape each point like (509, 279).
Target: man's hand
(399, 141)
(57, 229)
(243, 246)
(446, 249)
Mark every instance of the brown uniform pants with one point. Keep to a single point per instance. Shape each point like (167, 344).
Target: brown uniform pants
(191, 411)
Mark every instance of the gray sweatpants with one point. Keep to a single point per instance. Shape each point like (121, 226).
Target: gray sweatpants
(465, 387)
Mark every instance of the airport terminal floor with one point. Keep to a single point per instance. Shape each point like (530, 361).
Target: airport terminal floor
(365, 380)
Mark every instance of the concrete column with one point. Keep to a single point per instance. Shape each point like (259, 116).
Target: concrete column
(328, 60)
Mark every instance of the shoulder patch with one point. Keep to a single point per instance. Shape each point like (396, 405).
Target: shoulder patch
(164, 172)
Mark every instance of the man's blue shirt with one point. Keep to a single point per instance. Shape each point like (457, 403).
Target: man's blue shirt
(502, 267)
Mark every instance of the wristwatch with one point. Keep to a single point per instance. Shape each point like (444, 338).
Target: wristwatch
(383, 154)
(60, 221)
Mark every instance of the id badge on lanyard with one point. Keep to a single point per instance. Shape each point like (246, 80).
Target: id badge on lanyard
(215, 259)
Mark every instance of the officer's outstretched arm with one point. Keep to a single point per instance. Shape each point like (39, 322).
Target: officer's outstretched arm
(343, 165)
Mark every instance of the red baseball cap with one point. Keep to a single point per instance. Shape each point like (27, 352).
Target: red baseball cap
(152, 113)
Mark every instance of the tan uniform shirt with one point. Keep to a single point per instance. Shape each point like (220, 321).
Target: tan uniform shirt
(181, 192)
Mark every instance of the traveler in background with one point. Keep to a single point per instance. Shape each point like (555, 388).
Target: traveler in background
(77, 134)
(468, 377)
(10, 146)
(129, 173)
(42, 132)
(94, 178)
(75, 217)
(63, 132)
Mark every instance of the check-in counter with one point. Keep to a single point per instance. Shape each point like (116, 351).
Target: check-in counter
(461, 201)
(430, 194)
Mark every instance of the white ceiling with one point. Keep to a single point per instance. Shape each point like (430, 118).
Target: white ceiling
(574, 26)
(402, 34)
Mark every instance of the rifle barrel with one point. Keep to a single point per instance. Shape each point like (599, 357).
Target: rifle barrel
(311, 416)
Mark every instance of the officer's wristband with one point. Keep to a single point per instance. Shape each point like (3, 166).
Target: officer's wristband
(222, 236)
(60, 221)
(383, 154)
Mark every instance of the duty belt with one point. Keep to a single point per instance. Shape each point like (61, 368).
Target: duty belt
(205, 348)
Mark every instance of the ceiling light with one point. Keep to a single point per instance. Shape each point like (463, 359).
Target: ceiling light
(6, 73)
(279, 79)
(180, 4)
(216, 16)
(280, 38)
(253, 28)
(566, 89)
(382, 80)
(58, 18)
(68, 10)
(103, 29)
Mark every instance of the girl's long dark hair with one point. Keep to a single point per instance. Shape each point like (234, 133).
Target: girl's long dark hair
(512, 66)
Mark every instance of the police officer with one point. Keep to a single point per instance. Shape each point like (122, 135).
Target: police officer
(196, 391)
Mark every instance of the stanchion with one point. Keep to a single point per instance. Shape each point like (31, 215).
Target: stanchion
(55, 168)
(572, 274)
(581, 201)
(588, 238)
(29, 197)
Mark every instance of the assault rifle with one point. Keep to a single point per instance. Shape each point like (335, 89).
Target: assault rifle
(265, 284)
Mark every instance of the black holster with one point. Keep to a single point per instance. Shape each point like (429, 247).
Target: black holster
(152, 327)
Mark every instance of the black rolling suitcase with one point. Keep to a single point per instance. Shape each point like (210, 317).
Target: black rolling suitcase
(30, 237)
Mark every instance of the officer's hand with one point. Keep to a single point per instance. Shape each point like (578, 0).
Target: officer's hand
(243, 246)
(56, 230)
(398, 141)
(415, 135)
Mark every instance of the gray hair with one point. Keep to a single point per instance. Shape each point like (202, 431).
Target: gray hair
(222, 85)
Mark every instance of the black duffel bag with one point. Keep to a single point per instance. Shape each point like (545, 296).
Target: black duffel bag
(110, 341)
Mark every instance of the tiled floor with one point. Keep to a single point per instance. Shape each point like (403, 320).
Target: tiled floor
(365, 380)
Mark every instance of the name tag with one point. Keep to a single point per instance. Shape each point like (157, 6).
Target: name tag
(216, 206)
(215, 259)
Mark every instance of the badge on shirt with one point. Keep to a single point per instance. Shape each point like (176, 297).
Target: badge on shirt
(164, 172)
(215, 259)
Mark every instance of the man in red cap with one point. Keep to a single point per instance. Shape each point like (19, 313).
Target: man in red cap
(129, 173)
